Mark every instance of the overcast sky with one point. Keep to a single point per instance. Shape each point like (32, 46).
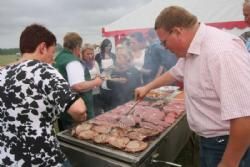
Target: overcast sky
(86, 17)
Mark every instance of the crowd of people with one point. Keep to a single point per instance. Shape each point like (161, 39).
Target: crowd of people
(73, 85)
(78, 84)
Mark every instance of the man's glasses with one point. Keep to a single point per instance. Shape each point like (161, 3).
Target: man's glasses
(163, 43)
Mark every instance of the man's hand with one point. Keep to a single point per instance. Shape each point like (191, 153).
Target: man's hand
(239, 142)
(141, 92)
(98, 81)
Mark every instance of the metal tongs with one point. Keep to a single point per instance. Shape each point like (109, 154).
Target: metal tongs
(131, 110)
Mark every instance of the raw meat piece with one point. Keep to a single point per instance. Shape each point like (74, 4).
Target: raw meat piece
(169, 120)
(172, 114)
(108, 116)
(147, 132)
(87, 135)
(81, 127)
(104, 122)
(149, 113)
(168, 109)
(178, 101)
(158, 104)
(150, 125)
(116, 132)
(127, 121)
(136, 146)
(121, 110)
(136, 136)
(102, 128)
(144, 103)
(101, 138)
(137, 119)
(178, 113)
(159, 122)
(118, 142)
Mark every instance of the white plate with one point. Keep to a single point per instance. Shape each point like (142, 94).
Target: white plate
(168, 88)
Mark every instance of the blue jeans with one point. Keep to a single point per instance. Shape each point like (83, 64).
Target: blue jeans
(212, 150)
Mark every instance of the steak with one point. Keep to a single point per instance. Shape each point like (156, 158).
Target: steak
(136, 146)
(118, 132)
(81, 127)
(87, 135)
(121, 110)
(108, 116)
(118, 142)
(169, 120)
(105, 129)
(149, 113)
(104, 123)
(136, 136)
(149, 125)
(101, 138)
(127, 121)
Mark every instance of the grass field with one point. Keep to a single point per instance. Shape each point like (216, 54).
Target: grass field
(6, 59)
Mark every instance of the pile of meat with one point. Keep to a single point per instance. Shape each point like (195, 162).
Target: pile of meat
(130, 131)
(129, 140)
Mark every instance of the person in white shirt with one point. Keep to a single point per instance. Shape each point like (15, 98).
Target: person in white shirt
(75, 71)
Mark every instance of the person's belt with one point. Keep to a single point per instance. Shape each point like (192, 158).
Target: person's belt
(219, 139)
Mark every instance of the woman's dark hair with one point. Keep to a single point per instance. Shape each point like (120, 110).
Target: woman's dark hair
(33, 35)
(104, 44)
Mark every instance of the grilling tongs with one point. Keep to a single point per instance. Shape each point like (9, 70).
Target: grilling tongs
(130, 111)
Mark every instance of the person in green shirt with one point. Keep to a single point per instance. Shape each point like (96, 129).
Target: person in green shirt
(71, 67)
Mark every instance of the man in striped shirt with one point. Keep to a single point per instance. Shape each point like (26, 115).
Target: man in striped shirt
(215, 69)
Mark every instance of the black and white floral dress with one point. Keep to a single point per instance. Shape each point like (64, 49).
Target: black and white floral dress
(32, 96)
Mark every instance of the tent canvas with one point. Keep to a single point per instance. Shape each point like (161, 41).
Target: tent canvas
(226, 14)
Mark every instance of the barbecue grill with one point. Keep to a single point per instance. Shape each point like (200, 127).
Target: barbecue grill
(164, 147)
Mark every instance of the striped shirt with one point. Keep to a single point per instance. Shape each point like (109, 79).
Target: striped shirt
(216, 76)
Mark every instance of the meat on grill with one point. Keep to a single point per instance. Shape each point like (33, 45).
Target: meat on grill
(101, 138)
(105, 129)
(149, 113)
(81, 127)
(108, 116)
(172, 115)
(121, 110)
(136, 146)
(127, 121)
(169, 120)
(136, 136)
(175, 106)
(101, 122)
(87, 135)
(118, 142)
(152, 126)
(116, 132)
(142, 103)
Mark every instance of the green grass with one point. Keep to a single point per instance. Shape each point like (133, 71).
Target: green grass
(6, 59)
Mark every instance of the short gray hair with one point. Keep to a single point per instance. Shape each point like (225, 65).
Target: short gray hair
(72, 40)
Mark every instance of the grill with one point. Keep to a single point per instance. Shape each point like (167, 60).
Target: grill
(165, 147)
